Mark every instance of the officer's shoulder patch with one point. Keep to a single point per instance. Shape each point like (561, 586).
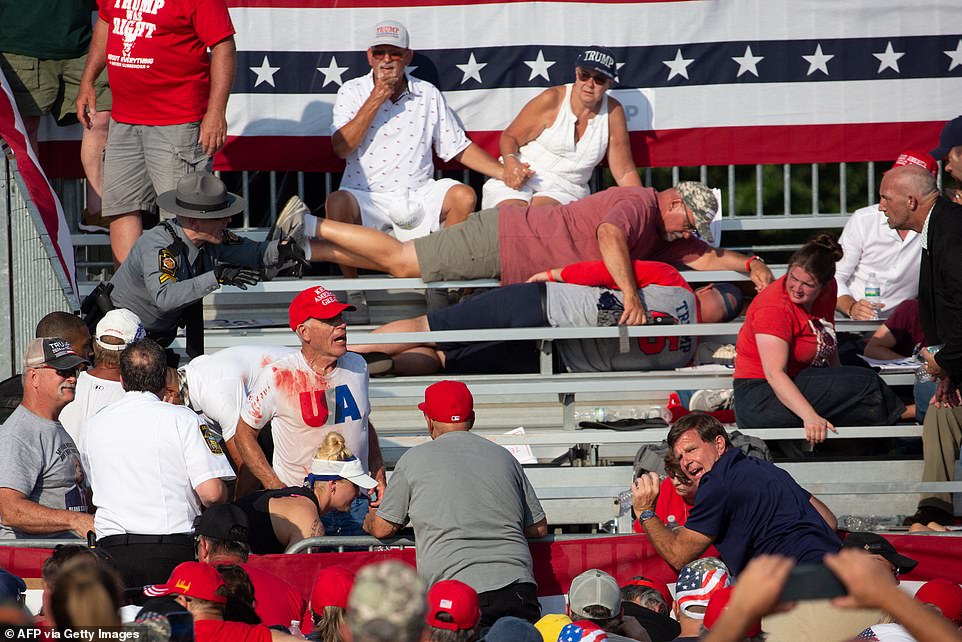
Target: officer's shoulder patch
(232, 239)
(212, 444)
(167, 265)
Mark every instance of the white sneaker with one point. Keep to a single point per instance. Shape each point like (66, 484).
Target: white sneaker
(708, 400)
(290, 222)
(360, 316)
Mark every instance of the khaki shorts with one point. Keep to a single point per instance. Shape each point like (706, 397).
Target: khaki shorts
(142, 161)
(465, 251)
(43, 87)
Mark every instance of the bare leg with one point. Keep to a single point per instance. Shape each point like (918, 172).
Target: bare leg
(418, 361)
(459, 202)
(327, 251)
(539, 201)
(415, 324)
(374, 247)
(125, 229)
(342, 207)
(514, 202)
(91, 157)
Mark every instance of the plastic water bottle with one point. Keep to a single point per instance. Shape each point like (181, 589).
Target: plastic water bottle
(295, 629)
(873, 294)
(603, 413)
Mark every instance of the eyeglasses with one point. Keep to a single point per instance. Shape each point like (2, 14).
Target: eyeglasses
(64, 373)
(689, 220)
(391, 53)
(584, 75)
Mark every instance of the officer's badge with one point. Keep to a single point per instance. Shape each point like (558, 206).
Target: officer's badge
(168, 266)
(212, 443)
(232, 239)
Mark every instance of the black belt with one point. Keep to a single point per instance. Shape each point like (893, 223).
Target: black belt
(121, 540)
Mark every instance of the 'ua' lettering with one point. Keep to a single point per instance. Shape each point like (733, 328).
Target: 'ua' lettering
(314, 408)
(345, 407)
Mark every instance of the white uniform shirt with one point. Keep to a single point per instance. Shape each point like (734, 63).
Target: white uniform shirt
(92, 394)
(395, 153)
(146, 458)
(217, 384)
(871, 246)
(304, 406)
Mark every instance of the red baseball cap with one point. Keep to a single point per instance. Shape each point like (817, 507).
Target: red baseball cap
(458, 600)
(658, 585)
(448, 402)
(716, 605)
(922, 159)
(945, 594)
(315, 303)
(331, 588)
(193, 579)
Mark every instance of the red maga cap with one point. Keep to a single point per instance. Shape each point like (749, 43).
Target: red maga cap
(193, 579)
(331, 588)
(921, 159)
(315, 303)
(458, 600)
(945, 594)
(448, 401)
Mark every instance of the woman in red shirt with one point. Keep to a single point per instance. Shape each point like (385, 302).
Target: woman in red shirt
(787, 371)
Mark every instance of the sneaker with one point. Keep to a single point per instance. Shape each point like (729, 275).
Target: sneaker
(708, 400)
(93, 222)
(360, 316)
(378, 363)
(290, 222)
(714, 352)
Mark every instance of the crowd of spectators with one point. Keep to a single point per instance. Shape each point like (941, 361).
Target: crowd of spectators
(185, 490)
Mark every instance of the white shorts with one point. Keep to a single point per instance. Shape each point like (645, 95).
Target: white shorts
(410, 214)
(495, 191)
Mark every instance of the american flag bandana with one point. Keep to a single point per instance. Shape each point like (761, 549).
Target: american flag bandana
(696, 583)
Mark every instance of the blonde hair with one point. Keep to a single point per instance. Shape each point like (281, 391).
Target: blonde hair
(333, 448)
(85, 594)
(327, 628)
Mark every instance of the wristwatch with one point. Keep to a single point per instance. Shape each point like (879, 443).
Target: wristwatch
(646, 515)
(748, 263)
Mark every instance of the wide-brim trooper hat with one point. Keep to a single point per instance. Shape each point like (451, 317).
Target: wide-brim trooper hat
(201, 195)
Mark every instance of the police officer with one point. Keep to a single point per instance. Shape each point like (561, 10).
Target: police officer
(177, 263)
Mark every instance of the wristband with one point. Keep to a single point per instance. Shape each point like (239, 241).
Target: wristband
(550, 275)
(748, 263)
(852, 307)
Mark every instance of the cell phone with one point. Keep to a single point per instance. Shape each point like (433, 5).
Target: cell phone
(811, 582)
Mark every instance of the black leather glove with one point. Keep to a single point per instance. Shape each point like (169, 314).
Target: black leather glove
(236, 276)
(290, 252)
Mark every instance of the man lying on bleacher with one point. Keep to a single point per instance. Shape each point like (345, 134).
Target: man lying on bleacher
(617, 226)
(579, 295)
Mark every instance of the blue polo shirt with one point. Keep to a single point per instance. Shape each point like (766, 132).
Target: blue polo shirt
(751, 507)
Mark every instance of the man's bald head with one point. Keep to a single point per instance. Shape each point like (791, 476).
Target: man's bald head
(906, 195)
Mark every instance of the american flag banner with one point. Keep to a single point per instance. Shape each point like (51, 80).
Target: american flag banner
(38, 188)
(702, 81)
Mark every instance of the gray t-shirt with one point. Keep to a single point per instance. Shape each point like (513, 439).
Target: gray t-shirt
(570, 305)
(469, 502)
(38, 458)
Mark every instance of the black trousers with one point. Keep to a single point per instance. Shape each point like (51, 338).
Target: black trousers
(147, 559)
(519, 599)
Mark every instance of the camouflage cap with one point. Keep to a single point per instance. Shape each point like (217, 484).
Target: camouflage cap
(703, 204)
(387, 602)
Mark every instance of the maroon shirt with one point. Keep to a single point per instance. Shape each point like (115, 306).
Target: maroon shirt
(533, 239)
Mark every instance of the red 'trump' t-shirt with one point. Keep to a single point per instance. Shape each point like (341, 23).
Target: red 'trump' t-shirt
(157, 60)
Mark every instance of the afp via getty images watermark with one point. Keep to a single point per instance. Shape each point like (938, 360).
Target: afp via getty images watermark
(95, 634)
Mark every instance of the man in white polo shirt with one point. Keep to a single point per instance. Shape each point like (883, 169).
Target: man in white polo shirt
(387, 126)
(152, 466)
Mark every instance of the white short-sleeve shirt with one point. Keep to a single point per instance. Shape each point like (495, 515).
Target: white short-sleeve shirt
(218, 383)
(304, 406)
(92, 394)
(146, 457)
(396, 152)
